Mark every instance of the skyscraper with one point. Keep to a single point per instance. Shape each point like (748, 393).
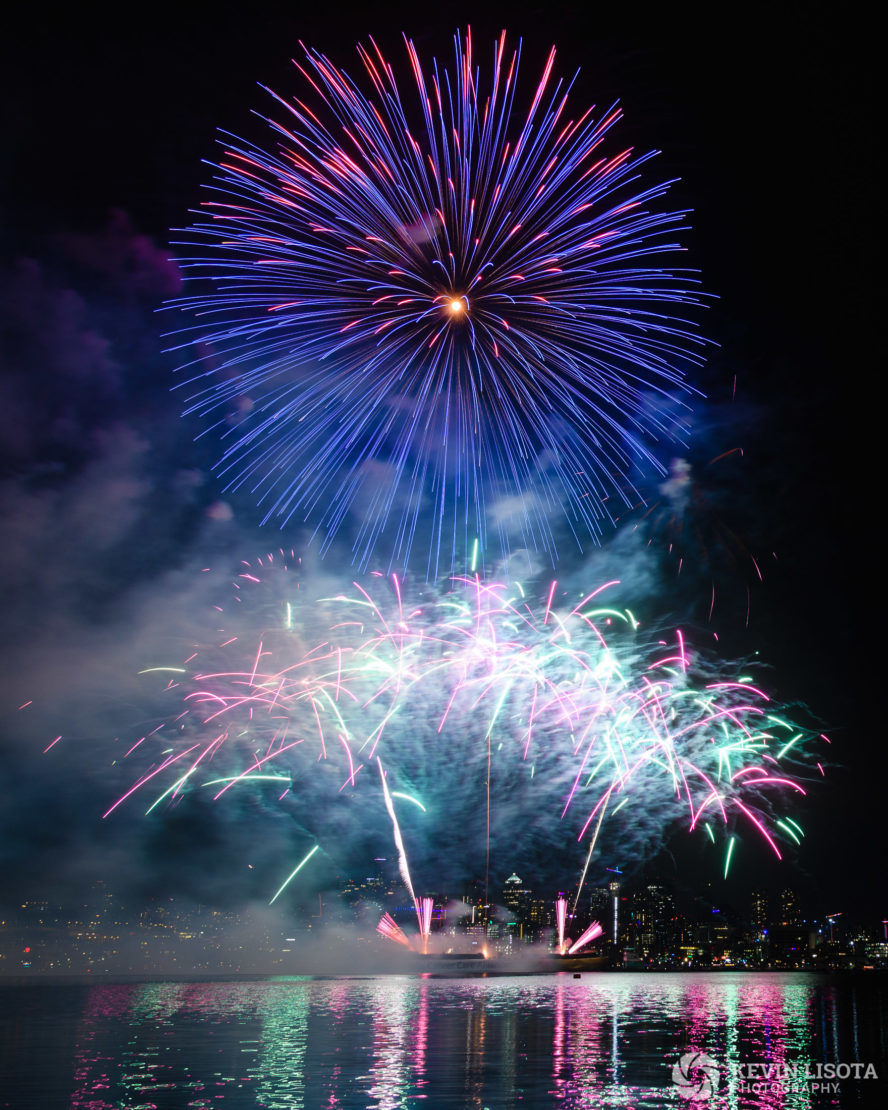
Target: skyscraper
(517, 898)
(758, 912)
(653, 910)
(790, 914)
(614, 930)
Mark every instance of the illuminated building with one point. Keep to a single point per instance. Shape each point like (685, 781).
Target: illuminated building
(790, 913)
(759, 912)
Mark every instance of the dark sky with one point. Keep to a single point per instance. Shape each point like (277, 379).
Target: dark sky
(769, 121)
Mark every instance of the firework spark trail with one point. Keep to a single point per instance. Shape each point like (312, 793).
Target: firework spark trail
(594, 931)
(390, 929)
(561, 919)
(584, 723)
(403, 866)
(425, 923)
(293, 874)
(439, 296)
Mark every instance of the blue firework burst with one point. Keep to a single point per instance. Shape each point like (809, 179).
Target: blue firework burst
(440, 316)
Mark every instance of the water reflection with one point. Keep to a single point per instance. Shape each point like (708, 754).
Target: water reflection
(390, 1069)
(92, 1066)
(281, 1047)
(604, 1041)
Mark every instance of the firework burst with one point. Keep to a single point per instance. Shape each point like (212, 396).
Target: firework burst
(505, 722)
(453, 305)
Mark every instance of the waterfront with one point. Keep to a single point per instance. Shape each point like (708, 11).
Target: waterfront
(601, 1040)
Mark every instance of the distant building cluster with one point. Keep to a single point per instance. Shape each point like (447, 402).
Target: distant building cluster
(104, 935)
(643, 928)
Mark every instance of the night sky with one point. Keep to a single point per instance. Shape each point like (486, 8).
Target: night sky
(109, 506)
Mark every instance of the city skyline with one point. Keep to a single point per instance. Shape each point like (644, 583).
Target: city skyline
(644, 926)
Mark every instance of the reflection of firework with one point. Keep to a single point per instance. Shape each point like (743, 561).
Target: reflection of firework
(441, 303)
(528, 727)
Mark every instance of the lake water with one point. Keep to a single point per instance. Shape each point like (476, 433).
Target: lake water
(602, 1040)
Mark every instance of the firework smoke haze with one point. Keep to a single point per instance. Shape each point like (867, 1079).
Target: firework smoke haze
(591, 731)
